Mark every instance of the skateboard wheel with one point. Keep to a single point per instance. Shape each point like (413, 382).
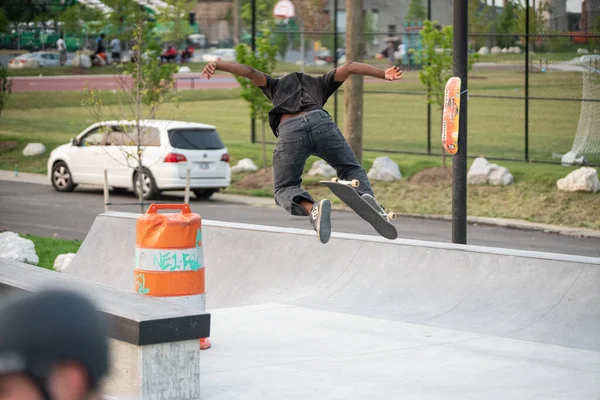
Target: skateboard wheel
(334, 180)
(355, 183)
(392, 215)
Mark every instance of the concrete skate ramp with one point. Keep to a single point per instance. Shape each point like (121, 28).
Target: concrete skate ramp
(420, 319)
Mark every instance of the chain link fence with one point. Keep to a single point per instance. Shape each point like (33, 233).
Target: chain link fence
(541, 105)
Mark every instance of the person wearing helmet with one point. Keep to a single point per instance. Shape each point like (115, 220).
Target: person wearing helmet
(53, 346)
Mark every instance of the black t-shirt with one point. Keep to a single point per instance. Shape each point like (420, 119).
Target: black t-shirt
(297, 92)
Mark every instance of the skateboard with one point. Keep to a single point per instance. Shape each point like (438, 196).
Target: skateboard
(379, 220)
(451, 116)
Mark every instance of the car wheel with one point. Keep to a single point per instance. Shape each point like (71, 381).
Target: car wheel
(149, 188)
(204, 193)
(61, 177)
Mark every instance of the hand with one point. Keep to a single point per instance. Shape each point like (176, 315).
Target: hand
(393, 74)
(209, 70)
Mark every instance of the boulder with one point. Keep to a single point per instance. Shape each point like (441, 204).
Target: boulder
(34, 149)
(244, 165)
(499, 176)
(184, 70)
(62, 261)
(483, 172)
(82, 61)
(484, 51)
(496, 50)
(384, 169)
(584, 179)
(582, 51)
(505, 50)
(14, 247)
(320, 167)
(478, 172)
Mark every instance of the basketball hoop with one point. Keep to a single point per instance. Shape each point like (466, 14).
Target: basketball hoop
(283, 11)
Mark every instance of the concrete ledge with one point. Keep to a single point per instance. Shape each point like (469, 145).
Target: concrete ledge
(155, 352)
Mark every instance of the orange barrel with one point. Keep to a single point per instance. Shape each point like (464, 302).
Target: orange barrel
(169, 260)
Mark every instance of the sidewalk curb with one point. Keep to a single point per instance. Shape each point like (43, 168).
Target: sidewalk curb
(233, 198)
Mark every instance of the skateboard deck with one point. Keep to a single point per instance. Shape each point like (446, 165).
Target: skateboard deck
(345, 191)
(451, 116)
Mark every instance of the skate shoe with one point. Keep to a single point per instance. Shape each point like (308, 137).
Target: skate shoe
(320, 219)
(373, 203)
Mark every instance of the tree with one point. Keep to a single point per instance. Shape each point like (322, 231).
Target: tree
(312, 17)
(263, 60)
(145, 84)
(479, 22)
(5, 87)
(264, 13)
(175, 18)
(507, 24)
(436, 58)
(353, 94)
(416, 12)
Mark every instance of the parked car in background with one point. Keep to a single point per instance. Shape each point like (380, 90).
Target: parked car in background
(35, 60)
(220, 55)
(169, 149)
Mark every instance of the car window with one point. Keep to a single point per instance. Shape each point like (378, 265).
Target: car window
(93, 138)
(195, 139)
(128, 136)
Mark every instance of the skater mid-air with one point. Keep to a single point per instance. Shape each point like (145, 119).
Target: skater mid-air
(303, 128)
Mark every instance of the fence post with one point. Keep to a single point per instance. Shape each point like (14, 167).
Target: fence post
(428, 89)
(187, 186)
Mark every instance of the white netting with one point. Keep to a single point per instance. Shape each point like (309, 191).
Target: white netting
(587, 138)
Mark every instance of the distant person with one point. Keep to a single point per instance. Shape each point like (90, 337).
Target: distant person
(53, 346)
(62, 49)
(100, 44)
(115, 49)
(169, 55)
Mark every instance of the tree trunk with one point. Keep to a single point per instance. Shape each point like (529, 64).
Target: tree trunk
(353, 93)
(236, 21)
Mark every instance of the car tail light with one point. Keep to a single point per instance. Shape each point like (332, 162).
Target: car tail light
(175, 158)
(225, 157)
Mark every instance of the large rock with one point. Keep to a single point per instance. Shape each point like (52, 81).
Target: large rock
(321, 168)
(62, 261)
(384, 169)
(496, 50)
(244, 165)
(483, 172)
(582, 51)
(16, 248)
(584, 179)
(484, 51)
(184, 70)
(571, 158)
(34, 149)
(82, 61)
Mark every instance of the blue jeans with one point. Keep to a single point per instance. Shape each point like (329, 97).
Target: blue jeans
(300, 137)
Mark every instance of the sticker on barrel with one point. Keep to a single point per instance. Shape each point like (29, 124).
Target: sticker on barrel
(451, 116)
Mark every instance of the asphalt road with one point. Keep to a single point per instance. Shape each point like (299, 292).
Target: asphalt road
(39, 209)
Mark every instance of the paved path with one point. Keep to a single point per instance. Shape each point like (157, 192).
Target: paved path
(39, 209)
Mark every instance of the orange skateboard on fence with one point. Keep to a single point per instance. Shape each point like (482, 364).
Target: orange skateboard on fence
(451, 115)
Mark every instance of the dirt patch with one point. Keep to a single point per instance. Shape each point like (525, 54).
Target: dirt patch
(432, 175)
(7, 145)
(261, 179)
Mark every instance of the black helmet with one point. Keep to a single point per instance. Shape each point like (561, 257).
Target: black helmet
(39, 330)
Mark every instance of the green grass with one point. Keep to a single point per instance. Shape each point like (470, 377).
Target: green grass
(48, 249)
(391, 121)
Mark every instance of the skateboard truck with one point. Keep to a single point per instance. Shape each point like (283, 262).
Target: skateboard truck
(354, 183)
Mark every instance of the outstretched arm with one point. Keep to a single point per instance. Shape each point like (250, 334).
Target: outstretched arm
(256, 77)
(355, 68)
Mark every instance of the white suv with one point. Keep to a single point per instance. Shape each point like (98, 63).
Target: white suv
(168, 148)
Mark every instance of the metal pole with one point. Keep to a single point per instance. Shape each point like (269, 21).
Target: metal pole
(527, 80)
(335, 57)
(459, 160)
(253, 134)
(106, 208)
(428, 88)
(186, 198)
